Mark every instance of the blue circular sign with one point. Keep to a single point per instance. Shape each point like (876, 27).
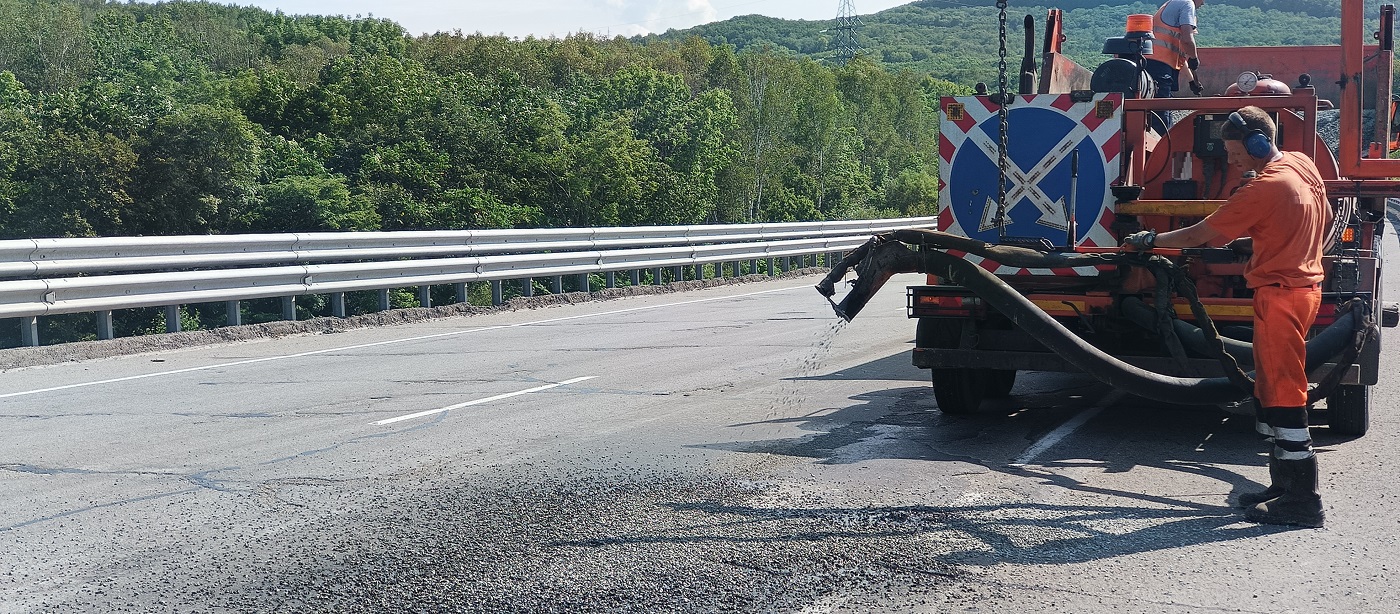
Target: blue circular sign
(1039, 164)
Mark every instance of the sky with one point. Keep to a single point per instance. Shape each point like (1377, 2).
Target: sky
(545, 18)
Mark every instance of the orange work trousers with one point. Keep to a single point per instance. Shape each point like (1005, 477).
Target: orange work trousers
(1282, 317)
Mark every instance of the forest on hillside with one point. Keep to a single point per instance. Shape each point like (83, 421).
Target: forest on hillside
(193, 117)
(127, 118)
(956, 40)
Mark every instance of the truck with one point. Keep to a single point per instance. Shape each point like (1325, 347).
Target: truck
(1038, 188)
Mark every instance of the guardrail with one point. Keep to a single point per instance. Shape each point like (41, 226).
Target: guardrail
(42, 277)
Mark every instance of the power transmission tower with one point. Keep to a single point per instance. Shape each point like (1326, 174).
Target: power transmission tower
(847, 22)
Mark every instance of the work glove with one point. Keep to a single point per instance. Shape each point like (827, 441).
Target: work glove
(1141, 241)
(1243, 246)
(1196, 87)
(1193, 63)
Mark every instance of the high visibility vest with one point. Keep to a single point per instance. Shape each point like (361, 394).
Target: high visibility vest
(1167, 44)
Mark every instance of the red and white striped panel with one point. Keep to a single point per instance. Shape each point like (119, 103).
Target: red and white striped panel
(1038, 177)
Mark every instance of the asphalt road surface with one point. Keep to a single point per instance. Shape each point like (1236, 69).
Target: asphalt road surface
(730, 449)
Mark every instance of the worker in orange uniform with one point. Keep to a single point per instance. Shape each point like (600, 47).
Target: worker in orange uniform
(1174, 47)
(1284, 210)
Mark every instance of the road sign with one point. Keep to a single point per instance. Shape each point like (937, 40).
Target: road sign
(1043, 132)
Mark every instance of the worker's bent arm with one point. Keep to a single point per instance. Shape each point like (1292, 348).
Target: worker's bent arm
(1188, 41)
(1192, 236)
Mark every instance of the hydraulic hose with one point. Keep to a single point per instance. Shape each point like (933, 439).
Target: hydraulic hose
(1080, 353)
(885, 255)
(1321, 347)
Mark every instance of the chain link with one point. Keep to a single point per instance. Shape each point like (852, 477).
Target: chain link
(1004, 104)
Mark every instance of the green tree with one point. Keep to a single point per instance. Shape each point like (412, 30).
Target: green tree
(198, 173)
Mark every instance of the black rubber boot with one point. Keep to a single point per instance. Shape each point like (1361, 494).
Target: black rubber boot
(1300, 504)
(1277, 485)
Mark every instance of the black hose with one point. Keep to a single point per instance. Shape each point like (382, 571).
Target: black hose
(885, 255)
(1322, 347)
(1080, 353)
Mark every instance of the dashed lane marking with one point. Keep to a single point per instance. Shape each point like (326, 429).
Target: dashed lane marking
(1059, 434)
(485, 400)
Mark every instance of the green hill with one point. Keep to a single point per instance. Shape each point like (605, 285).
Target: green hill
(957, 41)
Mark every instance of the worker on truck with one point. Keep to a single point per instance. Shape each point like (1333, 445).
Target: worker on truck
(1174, 47)
(1285, 212)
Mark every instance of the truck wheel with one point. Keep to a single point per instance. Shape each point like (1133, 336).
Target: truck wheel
(959, 391)
(1000, 382)
(1349, 410)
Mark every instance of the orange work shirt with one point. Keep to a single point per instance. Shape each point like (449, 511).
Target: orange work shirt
(1285, 211)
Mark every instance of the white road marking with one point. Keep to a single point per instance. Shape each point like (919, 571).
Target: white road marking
(1059, 434)
(381, 343)
(485, 400)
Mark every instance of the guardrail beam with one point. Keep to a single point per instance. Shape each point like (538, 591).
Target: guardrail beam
(42, 277)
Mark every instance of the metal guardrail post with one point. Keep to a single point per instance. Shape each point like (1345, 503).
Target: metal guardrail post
(29, 331)
(557, 285)
(678, 274)
(384, 303)
(527, 287)
(172, 318)
(425, 296)
(497, 294)
(289, 308)
(459, 292)
(635, 276)
(612, 279)
(233, 313)
(584, 283)
(771, 271)
(338, 305)
(699, 272)
(104, 325)
(656, 276)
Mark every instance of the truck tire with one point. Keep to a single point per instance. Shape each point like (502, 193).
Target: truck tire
(999, 383)
(1349, 410)
(959, 391)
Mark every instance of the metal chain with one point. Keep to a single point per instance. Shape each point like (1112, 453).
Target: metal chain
(1004, 104)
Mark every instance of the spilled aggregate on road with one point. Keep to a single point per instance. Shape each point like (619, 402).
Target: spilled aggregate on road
(645, 542)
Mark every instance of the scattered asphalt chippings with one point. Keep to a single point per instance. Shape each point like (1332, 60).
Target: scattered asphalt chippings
(14, 358)
(651, 543)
